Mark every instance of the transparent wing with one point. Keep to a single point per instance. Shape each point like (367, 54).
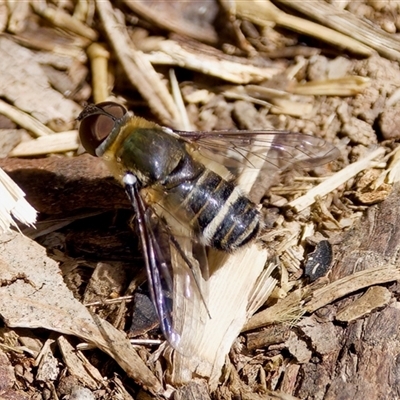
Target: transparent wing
(260, 149)
(173, 282)
(167, 205)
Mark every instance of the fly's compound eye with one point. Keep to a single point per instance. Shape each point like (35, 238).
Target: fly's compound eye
(97, 122)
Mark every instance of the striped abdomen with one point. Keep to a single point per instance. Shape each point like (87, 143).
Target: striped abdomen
(225, 218)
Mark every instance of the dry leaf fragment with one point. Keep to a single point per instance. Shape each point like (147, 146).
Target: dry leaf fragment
(42, 300)
(24, 84)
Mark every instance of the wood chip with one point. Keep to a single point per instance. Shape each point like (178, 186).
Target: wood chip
(63, 20)
(99, 62)
(351, 25)
(13, 205)
(56, 143)
(264, 12)
(347, 86)
(209, 61)
(375, 297)
(335, 180)
(212, 338)
(350, 284)
(24, 120)
(78, 365)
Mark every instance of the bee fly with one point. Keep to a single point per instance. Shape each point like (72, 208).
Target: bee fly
(177, 183)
